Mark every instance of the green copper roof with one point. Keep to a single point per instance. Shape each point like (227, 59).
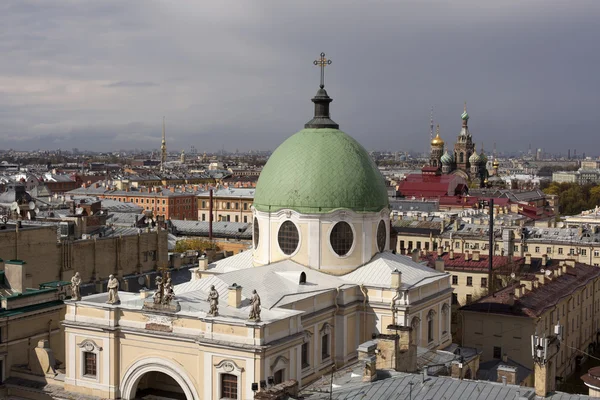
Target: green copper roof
(318, 171)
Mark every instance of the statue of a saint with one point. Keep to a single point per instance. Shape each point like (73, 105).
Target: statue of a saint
(75, 283)
(159, 294)
(255, 304)
(213, 298)
(169, 293)
(113, 290)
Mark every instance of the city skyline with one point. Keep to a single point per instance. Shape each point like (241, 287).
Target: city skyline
(101, 75)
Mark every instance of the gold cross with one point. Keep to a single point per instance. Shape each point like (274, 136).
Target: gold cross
(322, 63)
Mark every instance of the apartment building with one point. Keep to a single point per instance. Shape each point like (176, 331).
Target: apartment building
(229, 204)
(564, 292)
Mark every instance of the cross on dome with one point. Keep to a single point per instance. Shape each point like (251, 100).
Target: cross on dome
(322, 63)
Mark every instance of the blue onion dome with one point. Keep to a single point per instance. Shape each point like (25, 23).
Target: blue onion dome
(475, 159)
(447, 158)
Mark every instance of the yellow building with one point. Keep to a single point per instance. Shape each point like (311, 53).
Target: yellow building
(229, 204)
(563, 292)
(321, 264)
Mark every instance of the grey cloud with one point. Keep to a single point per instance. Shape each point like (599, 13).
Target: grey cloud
(233, 73)
(130, 84)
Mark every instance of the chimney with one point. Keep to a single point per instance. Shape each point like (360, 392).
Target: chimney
(406, 359)
(504, 358)
(456, 225)
(511, 299)
(439, 265)
(527, 259)
(544, 259)
(172, 189)
(396, 279)
(234, 297)
(475, 255)
(545, 377)
(507, 374)
(442, 225)
(367, 356)
(592, 381)
(415, 255)
(15, 275)
(451, 254)
(203, 263)
(528, 284)
(466, 255)
(518, 291)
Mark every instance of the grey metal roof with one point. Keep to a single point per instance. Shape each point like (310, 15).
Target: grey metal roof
(377, 272)
(393, 385)
(222, 229)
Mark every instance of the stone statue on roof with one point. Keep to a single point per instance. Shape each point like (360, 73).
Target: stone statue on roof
(213, 298)
(113, 290)
(169, 294)
(75, 283)
(255, 307)
(158, 294)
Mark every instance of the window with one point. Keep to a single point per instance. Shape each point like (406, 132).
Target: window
(457, 245)
(237, 219)
(256, 233)
(455, 279)
(324, 346)
(525, 248)
(245, 206)
(304, 355)
(571, 252)
(90, 364)
(454, 298)
(245, 219)
(203, 217)
(516, 248)
(497, 352)
(596, 253)
(484, 282)
(469, 298)
(237, 205)
(548, 250)
(430, 319)
(228, 206)
(341, 238)
(560, 250)
(469, 281)
(278, 376)
(288, 237)
(381, 236)
(537, 249)
(445, 313)
(583, 252)
(229, 386)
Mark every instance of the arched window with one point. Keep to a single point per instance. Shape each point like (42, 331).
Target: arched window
(288, 237)
(381, 236)
(416, 330)
(430, 325)
(461, 157)
(341, 238)
(256, 232)
(445, 316)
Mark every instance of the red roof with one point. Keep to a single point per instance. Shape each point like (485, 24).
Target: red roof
(458, 263)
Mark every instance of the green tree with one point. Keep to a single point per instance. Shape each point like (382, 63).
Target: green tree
(196, 244)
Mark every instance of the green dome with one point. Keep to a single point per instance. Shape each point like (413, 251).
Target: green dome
(318, 171)
(447, 158)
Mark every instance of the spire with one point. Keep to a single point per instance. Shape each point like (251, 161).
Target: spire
(431, 126)
(163, 148)
(322, 100)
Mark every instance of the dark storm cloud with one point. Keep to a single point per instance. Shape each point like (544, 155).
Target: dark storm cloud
(239, 74)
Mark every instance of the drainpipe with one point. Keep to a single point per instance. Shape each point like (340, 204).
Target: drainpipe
(393, 306)
(364, 292)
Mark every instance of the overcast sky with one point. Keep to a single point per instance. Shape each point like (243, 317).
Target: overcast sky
(238, 74)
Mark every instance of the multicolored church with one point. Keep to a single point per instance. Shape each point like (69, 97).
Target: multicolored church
(464, 160)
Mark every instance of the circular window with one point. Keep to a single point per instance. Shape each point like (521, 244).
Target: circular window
(288, 237)
(341, 238)
(256, 233)
(381, 236)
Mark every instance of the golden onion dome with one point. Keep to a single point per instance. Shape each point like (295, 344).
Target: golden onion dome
(437, 141)
(496, 164)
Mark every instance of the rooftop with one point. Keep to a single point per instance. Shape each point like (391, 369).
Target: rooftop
(535, 302)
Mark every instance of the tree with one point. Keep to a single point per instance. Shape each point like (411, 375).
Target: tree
(195, 244)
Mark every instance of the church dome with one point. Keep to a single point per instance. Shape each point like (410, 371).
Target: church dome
(475, 159)
(483, 158)
(318, 170)
(496, 163)
(437, 141)
(447, 159)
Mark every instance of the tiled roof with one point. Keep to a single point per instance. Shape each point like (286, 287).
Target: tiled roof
(458, 263)
(223, 229)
